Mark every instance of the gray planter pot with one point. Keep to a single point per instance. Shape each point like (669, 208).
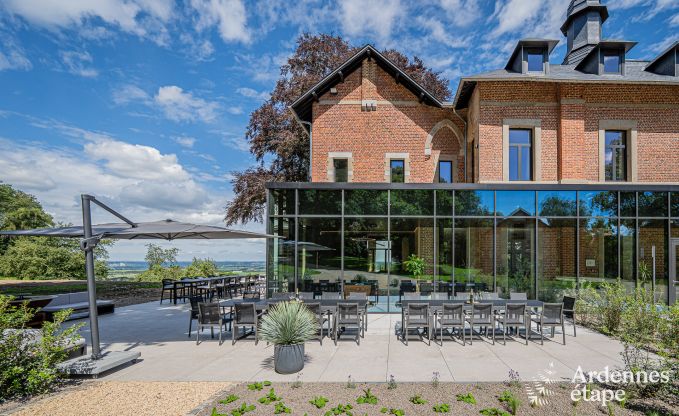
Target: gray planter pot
(288, 359)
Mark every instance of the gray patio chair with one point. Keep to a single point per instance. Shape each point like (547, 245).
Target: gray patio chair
(193, 313)
(306, 295)
(483, 316)
(451, 316)
(518, 296)
(426, 288)
(462, 296)
(251, 295)
(331, 295)
(364, 310)
(168, 286)
(210, 315)
(315, 308)
(515, 316)
(412, 296)
(489, 296)
(551, 316)
(416, 316)
(281, 295)
(245, 315)
(569, 310)
(439, 296)
(347, 316)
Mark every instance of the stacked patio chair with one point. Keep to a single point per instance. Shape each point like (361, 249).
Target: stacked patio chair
(416, 316)
(551, 316)
(245, 315)
(569, 310)
(348, 316)
(451, 316)
(362, 311)
(406, 286)
(321, 318)
(483, 316)
(281, 295)
(518, 296)
(210, 315)
(515, 316)
(168, 286)
(439, 296)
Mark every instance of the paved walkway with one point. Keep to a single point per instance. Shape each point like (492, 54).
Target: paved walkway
(159, 333)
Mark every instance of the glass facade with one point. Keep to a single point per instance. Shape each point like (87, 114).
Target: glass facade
(531, 239)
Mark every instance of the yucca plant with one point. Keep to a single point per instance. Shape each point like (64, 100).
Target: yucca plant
(288, 323)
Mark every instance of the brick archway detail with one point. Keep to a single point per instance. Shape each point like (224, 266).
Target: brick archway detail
(441, 124)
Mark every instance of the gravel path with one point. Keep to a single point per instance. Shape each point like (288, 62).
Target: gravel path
(105, 398)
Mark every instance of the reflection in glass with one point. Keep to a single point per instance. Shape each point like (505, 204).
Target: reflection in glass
(515, 203)
(281, 256)
(412, 202)
(319, 252)
(653, 233)
(520, 154)
(444, 244)
(397, 168)
(628, 204)
(675, 204)
(556, 258)
(366, 256)
(444, 203)
(445, 171)
(616, 156)
(598, 250)
(320, 202)
(653, 204)
(474, 203)
(628, 250)
(557, 203)
(365, 202)
(473, 257)
(515, 256)
(412, 237)
(341, 167)
(598, 204)
(282, 202)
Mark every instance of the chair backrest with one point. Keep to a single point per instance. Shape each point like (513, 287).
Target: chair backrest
(315, 308)
(552, 311)
(281, 295)
(209, 313)
(411, 296)
(482, 310)
(518, 296)
(195, 300)
(358, 296)
(569, 303)
(462, 296)
(251, 295)
(245, 314)
(418, 310)
(515, 311)
(330, 295)
(348, 311)
(426, 287)
(439, 296)
(453, 312)
(306, 295)
(489, 295)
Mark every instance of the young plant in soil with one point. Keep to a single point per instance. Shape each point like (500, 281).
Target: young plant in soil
(319, 402)
(340, 409)
(391, 384)
(417, 399)
(258, 386)
(367, 398)
(436, 376)
(467, 398)
(511, 401)
(269, 398)
(243, 409)
(493, 411)
(230, 398)
(395, 412)
(441, 408)
(281, 408)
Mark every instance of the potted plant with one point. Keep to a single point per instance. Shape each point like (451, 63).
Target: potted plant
(415, 266)
(288, 325)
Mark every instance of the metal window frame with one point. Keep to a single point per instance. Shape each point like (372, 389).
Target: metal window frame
(613, 148)
(519, 155)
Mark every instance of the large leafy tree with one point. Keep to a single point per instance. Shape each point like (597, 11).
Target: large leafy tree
(278, 142)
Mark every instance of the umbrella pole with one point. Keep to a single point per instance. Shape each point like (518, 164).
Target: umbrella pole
(91, 283)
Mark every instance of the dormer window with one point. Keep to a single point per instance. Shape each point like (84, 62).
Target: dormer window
(531, 56)
(535, 61)
(612, 62)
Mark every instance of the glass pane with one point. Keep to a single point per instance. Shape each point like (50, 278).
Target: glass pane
(513, 163)
(474, 203)
(397, 171)
(519, 136)
(516, 203)
(598, 251)
(319, 252)
(411, 239)
(535, 63)
(675, 204)
(557, 203)
(612, 64)
(445, 171)
(444, 203)
(282, 202)
(620, 165)
(473, 256)
(627, 249)
(598, 204)
(652, 204)
(366, 255)
(653, 234)
(609, 164)
(515, 256)
(412, 202)
(281, 256)
(341, 170)
(628, 204)
(365, 202)
(320, 202)
(556, 258)
(615, 138)
(526, 166)
(444, 271)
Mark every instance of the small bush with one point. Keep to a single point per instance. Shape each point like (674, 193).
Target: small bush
(319, 402)
(511, 401)
(441, 408)
(258, 385)
(367, 398)
(467, 398)
(281, 408)
(493, 411)
(269, 398)
(417, 399)
(229, 399)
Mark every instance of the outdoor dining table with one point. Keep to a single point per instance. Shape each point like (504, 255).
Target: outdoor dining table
(190, 284)
(327, 305)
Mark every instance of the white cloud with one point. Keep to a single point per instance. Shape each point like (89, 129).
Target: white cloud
(462, 13)
(235, 110)
(179, 105)
(515, 14)
(675, 20)
(14, 59)
(437, 32)
(251, 93)
(361, 18)
(199, 49)
(185, 141)
(263, 68)
(77, 63)
(130, 94)
(228, 15)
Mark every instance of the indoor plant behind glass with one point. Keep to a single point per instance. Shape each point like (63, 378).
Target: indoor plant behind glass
(288, 325)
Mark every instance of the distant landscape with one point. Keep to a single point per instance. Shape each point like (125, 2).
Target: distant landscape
(123, 270)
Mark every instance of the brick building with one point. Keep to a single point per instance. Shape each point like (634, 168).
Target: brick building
(556, 173)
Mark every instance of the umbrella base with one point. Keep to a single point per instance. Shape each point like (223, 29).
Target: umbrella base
(86, 366)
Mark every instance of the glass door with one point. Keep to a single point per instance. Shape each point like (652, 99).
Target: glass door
(674, 271)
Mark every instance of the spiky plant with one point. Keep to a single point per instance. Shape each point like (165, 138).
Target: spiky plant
(288, 323)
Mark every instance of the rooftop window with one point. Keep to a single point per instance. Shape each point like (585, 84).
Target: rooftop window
(612, 63)
(535, 61)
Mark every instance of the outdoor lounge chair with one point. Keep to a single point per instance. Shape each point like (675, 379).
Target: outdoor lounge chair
(245, 315)
(168, 286)
(551, 316)
(348, 316)
(451, 316)
(518, 296)
(209, 314)
(569, 310)
(315, 308)
(416, 316)
(483, 316)
(515, 316)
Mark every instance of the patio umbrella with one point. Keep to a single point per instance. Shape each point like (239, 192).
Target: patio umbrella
(90, 236)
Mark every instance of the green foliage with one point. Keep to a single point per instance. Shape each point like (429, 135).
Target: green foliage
(367, 398)
(417, 399)
(201, 268)
(243, 409)
(28, 358)
(441, 408)
(216, 413)
(493, 411)
(158, 256)
(613, 296)
(230, 398)
(340, 409)
(19, 211)
(281, 408)
(157, 273)
(269, 398)
(511, 401)
(467, 398)
(396, 412)
(288, 323)
(319, 402)
(414, 265)
(258, 385)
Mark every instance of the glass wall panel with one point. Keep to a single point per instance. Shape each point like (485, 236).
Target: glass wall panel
(474, 203)
(320, 202)
(653, 204)
(444, 244)
(628, 251)
(281, 256)
(557, 204)
(628, 204)
(412, 239)
(473, 257)
(319, 252)
(282, 202)
(675, 204)
(598, 204)
(675, 267)
(366, 257)
(444, 203)
(412, 202)
(653, 233)
(516, 256)
(365, 202)
(556, 258)
(598, 251)
(515, 203)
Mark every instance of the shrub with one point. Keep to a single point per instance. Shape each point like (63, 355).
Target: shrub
(156, 273)
(288, 323)
(511, 401)
(269, 398)
(319, 402)
(417, 399)
(441, 408)
(614, 296)
(28, 359)
(201, 268)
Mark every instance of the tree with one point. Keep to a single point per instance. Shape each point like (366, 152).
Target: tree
(278, 142)
(157, 256)
(19, 211)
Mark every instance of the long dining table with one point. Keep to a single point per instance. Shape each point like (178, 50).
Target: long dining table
(327, 305)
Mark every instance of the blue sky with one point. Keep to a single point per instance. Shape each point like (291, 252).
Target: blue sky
(144, 103)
